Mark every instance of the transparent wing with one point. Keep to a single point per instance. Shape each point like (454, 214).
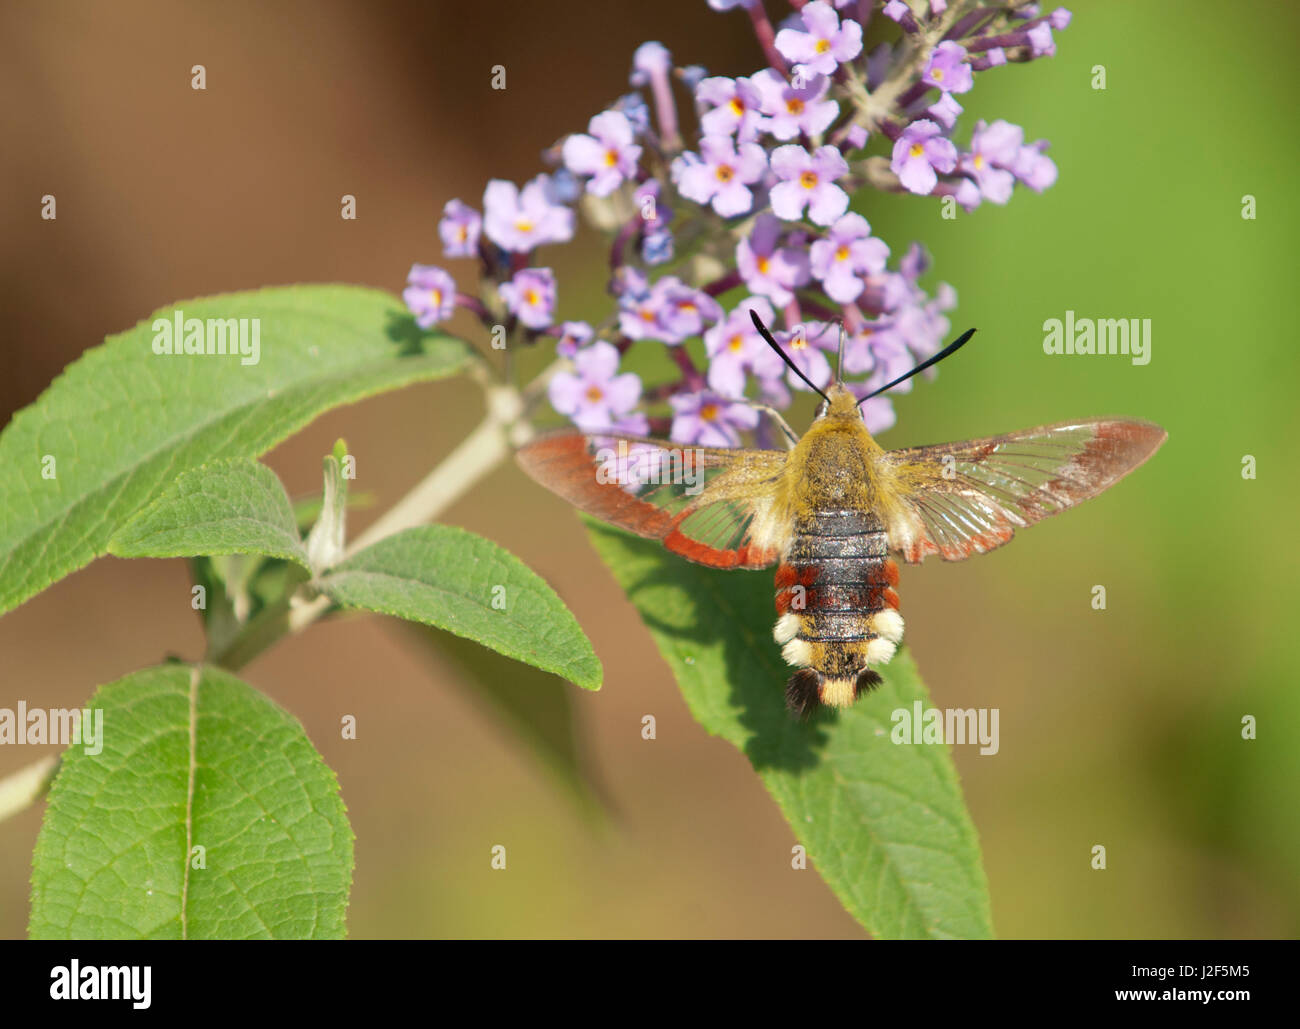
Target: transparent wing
(959, 499)
(714, 506)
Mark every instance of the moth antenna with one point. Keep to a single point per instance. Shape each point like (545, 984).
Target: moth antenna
(767, 336)
(951, 348)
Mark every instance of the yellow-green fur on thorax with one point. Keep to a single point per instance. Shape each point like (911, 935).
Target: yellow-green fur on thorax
(836, 464)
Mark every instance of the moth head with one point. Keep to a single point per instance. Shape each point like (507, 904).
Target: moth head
(839, 403)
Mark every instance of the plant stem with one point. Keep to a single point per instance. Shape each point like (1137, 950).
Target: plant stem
(481, 452)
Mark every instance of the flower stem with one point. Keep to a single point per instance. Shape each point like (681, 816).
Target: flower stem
(766, 37)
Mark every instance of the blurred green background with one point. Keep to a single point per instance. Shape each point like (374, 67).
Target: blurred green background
(1119, 727)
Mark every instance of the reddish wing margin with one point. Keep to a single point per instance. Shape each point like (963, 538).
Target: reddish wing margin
(960, 499)
(708, 505)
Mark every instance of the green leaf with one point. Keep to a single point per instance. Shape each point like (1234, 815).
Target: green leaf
(192, 758)
(883, 823)
(228, 507)
(455, 580)
(122, 422)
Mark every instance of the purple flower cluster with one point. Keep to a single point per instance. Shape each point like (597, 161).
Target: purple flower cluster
(746, 207)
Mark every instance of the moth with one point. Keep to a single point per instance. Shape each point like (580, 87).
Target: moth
(835, 512)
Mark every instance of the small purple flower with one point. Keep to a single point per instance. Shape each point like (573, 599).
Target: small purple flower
(945, 111)
(430, 294)
(922, 323)
(915, 263)
(530, 296)
(999, 142)
(562, 186)
(670, 311)
(519, 220)
(607, 153)
(968, 195)
(948, 69)
(573, 337)
(628, 283)
(650, 61)
(735, 348)
(1033, 167)
(646, 198)
(993, 150)
(459, 229)
(897, 10)
(721, 174)
(805, 345)
(856, 137)
(657, 247)
(787, 111)
(808, 180)
(633, 107)
(848, 253)
(767, 268)
(594, 395)
(858, 356)
(652, 66)
(878, 414)
(709, 420)
(919, 152)
(825, 44)
(685, 310)
(1041, 43)
(732, 107)
(890, 356)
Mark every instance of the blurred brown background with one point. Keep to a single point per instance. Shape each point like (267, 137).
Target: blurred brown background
(166, 193)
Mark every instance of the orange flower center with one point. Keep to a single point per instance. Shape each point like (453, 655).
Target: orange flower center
(524, 225)
(979, 161)
(436, 296)
(822, 46)
(594, 394)
(737, 342)
(915, 150)
(725, 173)
(937, 74)
(611, 158)
(763, 264)
(709, 412)
(531, 297)
(794, 105)
(808, 180)
(737, 105)
(842, 254)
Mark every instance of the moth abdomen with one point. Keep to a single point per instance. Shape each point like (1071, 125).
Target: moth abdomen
(838, 608)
